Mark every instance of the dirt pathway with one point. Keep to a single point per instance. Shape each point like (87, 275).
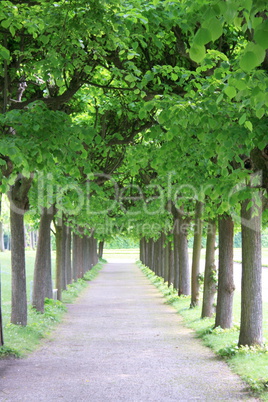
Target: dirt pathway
(120, 342)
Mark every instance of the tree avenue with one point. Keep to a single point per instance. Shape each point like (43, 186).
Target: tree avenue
(149, 119)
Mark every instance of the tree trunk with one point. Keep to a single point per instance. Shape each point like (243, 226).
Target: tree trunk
(171, 264)
(176, 260)
(42, 286)
(58, 227)
(251, 292)
(75, 256)
(63, 261)
(195, 289)
(68, 260)
(158, 251)
(101, 248)
(86, 254)
(19, 204)
(166, 268)
(142, 249)
(2, 245)
(226, 287)
(184, 271)
(19, 298)
(79, 257)
(210, 281)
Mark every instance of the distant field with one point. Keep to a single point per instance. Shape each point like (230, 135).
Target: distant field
(121, 255)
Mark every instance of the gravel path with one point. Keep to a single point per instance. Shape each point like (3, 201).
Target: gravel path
(120, 342)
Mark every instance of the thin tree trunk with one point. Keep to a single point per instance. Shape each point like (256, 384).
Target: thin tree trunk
(184, 271)
(68, 260)
(63, 262)
(226, 287)
(176, 260)
(210, 280)
(195, 288)
(75, 256)
(42, 284)
(101, 248)
(86, 254)
(79, 257)
(166, 268)
(59, 250)
(162, 260)
(251, 292)
(171, 264)
(158, 251)
(142, 250)
(2, 245)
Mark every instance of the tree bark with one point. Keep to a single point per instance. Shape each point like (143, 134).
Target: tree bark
(19, 204)
(142, 250)
(195, 285)
(79, 256)
(63, 256)
(59, 250)
(2, 245)
(226, 287)
(171, 264)
(210, 281)
(86, 254)
(101, 248)
(176, 260)
(42, 286)
(184, 271)
(251, 292)
(68, 259)
(75, 256)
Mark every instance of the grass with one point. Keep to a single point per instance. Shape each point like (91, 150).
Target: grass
(250, 363)
(21, 340)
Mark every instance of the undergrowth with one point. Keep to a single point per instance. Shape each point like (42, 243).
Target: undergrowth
(251, 363)
(21, 340)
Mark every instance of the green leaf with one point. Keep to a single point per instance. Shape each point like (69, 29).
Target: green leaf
(242, 119)
(253, 57)
(214, 27)
(261, 35)
(260, 113)
(230, 92)
(6, 23)
(219, 99)
(202, 37)
(130, 78)
(4, 53)
(142, 114)
(12, 30)
(197, 53)
(248, 125)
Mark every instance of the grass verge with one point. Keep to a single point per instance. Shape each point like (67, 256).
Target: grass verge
(251, 364)
(21, 340)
